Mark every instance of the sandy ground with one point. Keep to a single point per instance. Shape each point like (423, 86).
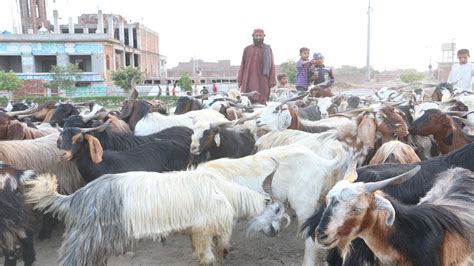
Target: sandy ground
(285, 249)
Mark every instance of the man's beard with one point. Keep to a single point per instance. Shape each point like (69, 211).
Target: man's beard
(257, 41)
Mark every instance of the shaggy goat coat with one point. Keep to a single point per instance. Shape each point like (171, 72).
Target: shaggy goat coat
(42, 156)
(105, 217)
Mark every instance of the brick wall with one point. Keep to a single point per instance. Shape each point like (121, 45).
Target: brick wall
(31, 87)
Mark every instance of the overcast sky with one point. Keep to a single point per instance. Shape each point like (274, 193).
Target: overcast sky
(405, 33)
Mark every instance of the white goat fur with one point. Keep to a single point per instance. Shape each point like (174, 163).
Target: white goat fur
(137, 205)
(301, 177)
(155, 122)
(42, 156)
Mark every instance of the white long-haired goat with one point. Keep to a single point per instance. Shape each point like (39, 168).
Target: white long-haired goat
(155, 122)
(105, 217)
(301, 176)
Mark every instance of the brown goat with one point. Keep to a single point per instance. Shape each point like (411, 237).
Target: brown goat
(446, 132)
(15, 130)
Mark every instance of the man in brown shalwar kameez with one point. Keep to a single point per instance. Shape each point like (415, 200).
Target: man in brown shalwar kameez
(257, 70)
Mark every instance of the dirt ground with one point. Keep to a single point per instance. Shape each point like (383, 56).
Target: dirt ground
(285, 249)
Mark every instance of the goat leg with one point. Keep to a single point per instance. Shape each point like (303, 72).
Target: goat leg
(47, 227)
(28, 250)
(10, 257)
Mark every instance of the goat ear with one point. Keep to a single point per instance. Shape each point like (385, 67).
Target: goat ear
(217, 139)
(448, 139)
(16, 131)
(95, 148)
(384, 204)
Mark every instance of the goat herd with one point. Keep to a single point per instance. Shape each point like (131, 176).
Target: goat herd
(114, 177)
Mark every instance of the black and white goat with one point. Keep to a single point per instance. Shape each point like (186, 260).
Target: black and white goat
(221, 141)
(113, 211)
(437, 231)
(92, 161)
(14, 228)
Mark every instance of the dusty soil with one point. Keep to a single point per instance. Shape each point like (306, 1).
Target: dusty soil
(285, 249)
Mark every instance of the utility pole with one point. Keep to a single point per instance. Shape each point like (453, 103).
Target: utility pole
(367, 67)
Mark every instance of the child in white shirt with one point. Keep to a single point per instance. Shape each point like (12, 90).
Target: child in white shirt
(462, 72)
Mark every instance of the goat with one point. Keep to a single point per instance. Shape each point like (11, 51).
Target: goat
(221, 141)
(132, 111)
(42, 156)
(408, 192)
(14, 228)
(300, 178)
(185, 104)
(92, 161)
(437, 231)
(394, 152)
(282, 116)
(447, 133)
(116, 209)
(63, 111)
(155, 122)
(15, 130)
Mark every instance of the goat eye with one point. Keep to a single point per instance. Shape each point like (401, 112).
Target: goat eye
(356, 210)
(277, 210)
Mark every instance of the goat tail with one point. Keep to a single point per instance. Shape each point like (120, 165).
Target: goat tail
(42, 193)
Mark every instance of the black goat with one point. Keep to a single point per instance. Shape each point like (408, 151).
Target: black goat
(221, 142)
(92, 161)
(310, 112)
(14, 228)
(62, 112)
(185, 104)
(408, 192)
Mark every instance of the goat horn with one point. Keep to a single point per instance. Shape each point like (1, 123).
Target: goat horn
(249, 93)
(351, 171)
(243, 119)
(89, 118)
(465, 121)
(458, 113)
(159, 93)
(23, 112)
(201, 96)
(99, 128)
(59, 129)
(287, 218)
(230, 99)
(267, 183)
(293, 99)
(373, 186)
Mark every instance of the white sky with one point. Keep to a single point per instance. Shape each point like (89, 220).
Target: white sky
(405, 33)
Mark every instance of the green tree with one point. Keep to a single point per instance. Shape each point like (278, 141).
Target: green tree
(9, 82)
(289, 68)
(123, 77)
(64, 77)
(185, 82)
(412, 77)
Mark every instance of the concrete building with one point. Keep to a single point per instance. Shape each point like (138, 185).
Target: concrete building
(99, 44)
(205, 70)
(33, 15)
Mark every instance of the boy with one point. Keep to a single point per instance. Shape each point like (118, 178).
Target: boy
(303, 69)
(322, 75)
(462, 72)
(283, 90)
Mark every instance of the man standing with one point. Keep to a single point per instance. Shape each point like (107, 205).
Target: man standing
(257, 70)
